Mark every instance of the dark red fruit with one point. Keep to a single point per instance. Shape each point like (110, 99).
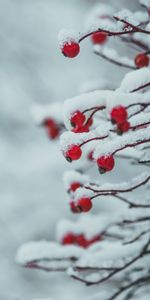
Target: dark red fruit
(52, 128)
(73, 153)
(142, 60)
(90, 156)
(68, 239)
(105, 163)
(119, 114)
(77, 119)
(49, 123)
(71, 49)
(81, 129)
(74, 186)
(99, 37)
(53, 132)
(74, 207)
(123, 127)
(85, 204)
(82, 241)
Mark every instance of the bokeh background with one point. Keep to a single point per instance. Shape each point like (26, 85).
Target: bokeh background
(32, 70)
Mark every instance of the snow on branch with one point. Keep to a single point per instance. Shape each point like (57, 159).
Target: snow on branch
(127, 16)
(131, 139)
(83, 226)
(112, 262)
(112, 56)
(68, 138)
(135, 80)
(48, 256)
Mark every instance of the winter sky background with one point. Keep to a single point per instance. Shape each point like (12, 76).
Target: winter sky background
(32, 70)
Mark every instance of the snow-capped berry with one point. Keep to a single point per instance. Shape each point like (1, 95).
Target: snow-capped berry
(99, 37)
(105, 163)
(123, 127)
(74, 207)
(74, 186)
(70, 49)
(119, 114)
(53, 132)
(77, 119)
(142, 60)
(68, 239)
(74, 152)
(85, 204)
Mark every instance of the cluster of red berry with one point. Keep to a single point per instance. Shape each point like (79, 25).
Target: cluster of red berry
(119, 116)
(74, 152)
(80, 240)
(84, 204)
(78, 122)
(71, 49)
(52, 128)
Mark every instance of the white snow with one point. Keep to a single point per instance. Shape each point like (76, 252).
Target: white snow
(106, 148)
(111, 53)
(145, 3)
(135, 79)
(66, 36)
(43, 250)
(128, 16)
(42, 112)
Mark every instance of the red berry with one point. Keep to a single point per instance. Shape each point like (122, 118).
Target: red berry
(85, 204)
(74, 186)
(99, 37)
(90, 156)
(71, 49)
(105, 163)
(81, 129)
(68, 239)
(73, 153)
(123, 127)
(49, 123)
(53, 132)
(141, 60)
(52, 128)
(74, 207)
(119, 114)
(81, 241)
(77, 119)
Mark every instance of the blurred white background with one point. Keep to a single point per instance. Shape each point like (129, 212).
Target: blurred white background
(32, 70)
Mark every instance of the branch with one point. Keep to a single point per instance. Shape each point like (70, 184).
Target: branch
(141, 281)
(141, 87)
(115, 271)
(121, 64)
